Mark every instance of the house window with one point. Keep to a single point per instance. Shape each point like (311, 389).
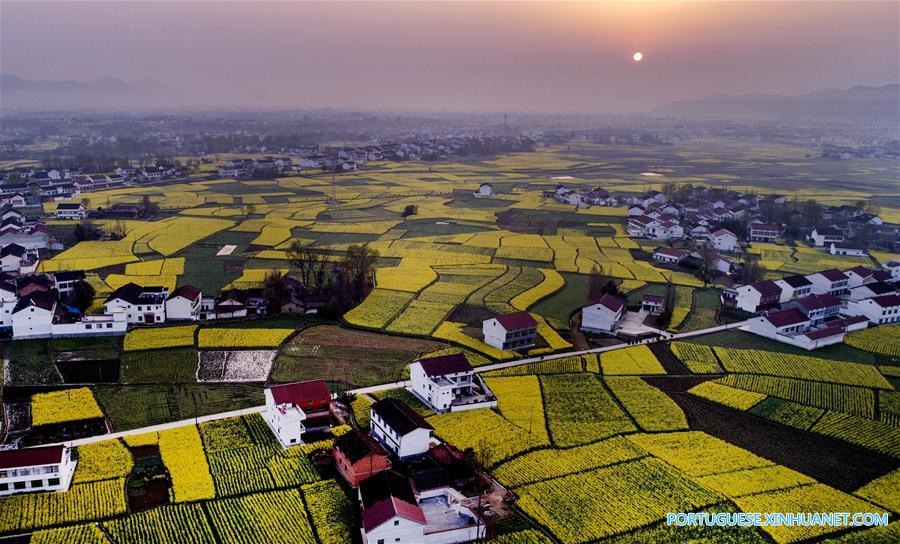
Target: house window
(53, 481)
(19, 485)
(396, 522)
(37, 483)
(380, 541)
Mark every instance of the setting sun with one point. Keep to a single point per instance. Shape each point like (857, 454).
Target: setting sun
(638, 57)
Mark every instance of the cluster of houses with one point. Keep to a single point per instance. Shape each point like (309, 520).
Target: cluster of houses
(34, 305)
(700, 220)
(35, 186)
(408, 483)
(818, 309)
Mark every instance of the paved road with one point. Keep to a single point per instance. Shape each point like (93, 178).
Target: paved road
(393, 385)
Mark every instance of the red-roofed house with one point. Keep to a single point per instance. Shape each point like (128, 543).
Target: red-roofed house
(723, 240)
(394, 512)
(754, 297)
(184, 303)
(878, 310)
(817, 308)
(859, 275)
(43, 468)
(763, 232)
(449, 382)
(602, 315)
(793, 327)
(831, 281)
(652, 304)
(510, 331)
(669, 255)
(294, 408)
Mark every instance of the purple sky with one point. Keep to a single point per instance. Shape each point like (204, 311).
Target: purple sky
(457, 56)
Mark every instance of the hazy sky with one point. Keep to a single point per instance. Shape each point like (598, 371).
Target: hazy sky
(470, 56)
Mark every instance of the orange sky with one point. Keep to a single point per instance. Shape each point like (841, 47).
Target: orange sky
(471, 56)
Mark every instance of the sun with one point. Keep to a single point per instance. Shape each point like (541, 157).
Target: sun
(638, 57)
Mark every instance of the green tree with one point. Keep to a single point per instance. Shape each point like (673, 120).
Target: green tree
(82, 295)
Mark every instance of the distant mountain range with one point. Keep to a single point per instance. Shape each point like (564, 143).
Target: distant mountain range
(857, 104)
(106, 92)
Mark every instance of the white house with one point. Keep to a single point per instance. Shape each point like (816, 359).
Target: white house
(846, 250)
(510, 331)
(449, 382)
(870, 290)
(394, 512)
(634, 211)
(763, 232)
(652, 304)
(878, 310)
(144, 305)
(485, 189)
(792, 327)
(641, 225)
(859, 275)
(69, 211)
(793, 287)
(723, 240)
(825, 236)
(831, 281)
(817, 308)
(782, 322)
(42, 468)
(294, 408)
(184, 303)
(33, 314)
(602, 315)
(13, 257)
(669, 255)
(754, 297)
(66, 281)
(399, 428)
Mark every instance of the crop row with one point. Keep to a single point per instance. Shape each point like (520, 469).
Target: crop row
(751, 361)
(580, 410)
(587, 506)
(650, 408)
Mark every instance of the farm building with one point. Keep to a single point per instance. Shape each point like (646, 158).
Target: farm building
(358, 456)
(294, 408)
(793, 287)
(145, 305)
(449, 382)
(183, 304)
(70, 211)
(846, 250)
(485, 189)
(398, 428)
(510, 331)
(754, 297)
(395, 512)
(832, 281)
(43, 468)
(668, 255)
(723, 240)
(652, 304)
(763, 232)
(878, 310)
(825, 236)
(602, 315)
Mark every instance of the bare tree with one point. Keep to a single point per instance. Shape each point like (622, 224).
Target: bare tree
(359, 264)
(708, 257)
(274, 289)
(310, 264)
